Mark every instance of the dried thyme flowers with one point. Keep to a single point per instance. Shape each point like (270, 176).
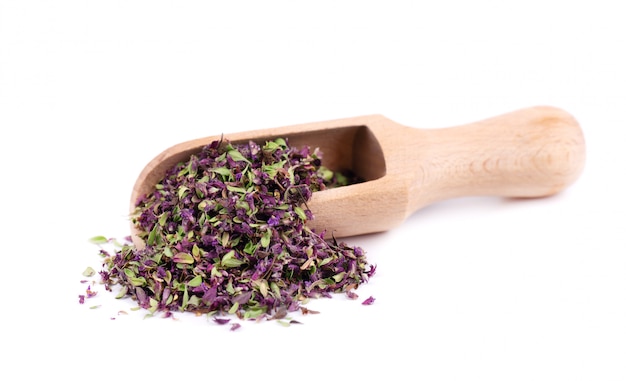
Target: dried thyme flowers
(225, 233)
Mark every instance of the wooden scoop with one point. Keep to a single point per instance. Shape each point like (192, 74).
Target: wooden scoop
(532, 152)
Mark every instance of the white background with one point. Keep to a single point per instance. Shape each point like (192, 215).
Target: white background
(467, 289)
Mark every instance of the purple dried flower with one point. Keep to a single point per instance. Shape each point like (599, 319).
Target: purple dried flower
(221, 321)
(90, 293)
(235, 326)
(368, 301)
(273, 221)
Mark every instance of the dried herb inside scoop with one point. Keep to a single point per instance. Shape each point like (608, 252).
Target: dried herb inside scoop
(225, 232)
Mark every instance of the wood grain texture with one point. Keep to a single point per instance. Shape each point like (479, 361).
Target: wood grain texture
(532, 152)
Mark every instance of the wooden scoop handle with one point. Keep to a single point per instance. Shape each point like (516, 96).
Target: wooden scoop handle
(533, 152)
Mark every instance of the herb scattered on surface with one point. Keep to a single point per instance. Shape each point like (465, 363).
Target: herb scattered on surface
(226, 234)
(368, 301)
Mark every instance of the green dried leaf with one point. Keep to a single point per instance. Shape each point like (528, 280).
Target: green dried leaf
(163, 218)
(122, 293)
(194, 301)
(250, 248)
(195, 282)
(182, 190)
(272, 169)
(185, 299)
(325, 261)
(229, 260)
(234, 308)
(99, 240)
(222, 171)
(89, 272)
(271, 146)
(300, 212)
(137, 281)
(263, 287)
(275, 289)
(154, 304)
(254, 312)
(339, 277)
(195, 250)
(154, 237)
(341, 179)
(224, 239)
(229, 287)
(236, 189)
(237, 156)
(266, 238)
(183, 258)
(325, 173)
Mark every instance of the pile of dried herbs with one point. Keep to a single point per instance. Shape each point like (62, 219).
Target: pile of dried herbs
(225, 233)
